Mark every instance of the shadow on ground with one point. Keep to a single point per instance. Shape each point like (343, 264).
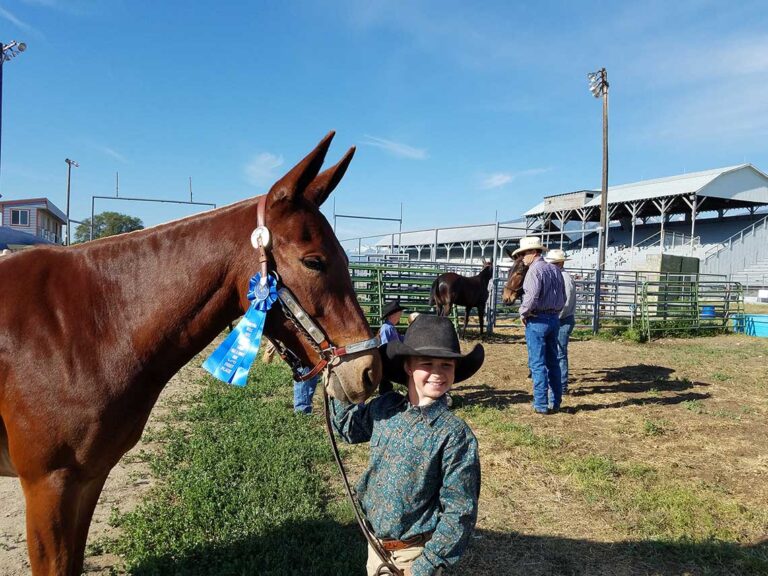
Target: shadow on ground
(652, 381)
(325, 548)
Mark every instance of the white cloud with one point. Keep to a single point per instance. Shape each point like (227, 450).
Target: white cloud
(396, 148)
(499, 179)
(114, 154)
(5, 14)
(261, 169)
(495, 180)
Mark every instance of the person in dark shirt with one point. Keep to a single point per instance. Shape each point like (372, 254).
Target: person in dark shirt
(421, 488)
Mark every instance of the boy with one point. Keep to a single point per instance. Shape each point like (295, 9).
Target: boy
(391, 316)
(421, 488)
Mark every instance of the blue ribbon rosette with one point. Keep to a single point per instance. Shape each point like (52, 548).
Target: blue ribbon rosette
(232, 360)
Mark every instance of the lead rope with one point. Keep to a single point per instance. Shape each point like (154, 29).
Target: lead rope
(384, 556)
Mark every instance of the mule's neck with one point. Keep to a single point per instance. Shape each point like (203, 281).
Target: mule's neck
(178, 285)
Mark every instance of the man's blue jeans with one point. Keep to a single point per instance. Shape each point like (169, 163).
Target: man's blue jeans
(303, 392)
(541, 338)
(566, 327)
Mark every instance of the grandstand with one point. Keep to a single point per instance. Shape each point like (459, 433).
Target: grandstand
(715, 215)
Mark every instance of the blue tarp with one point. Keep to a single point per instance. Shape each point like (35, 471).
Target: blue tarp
(17, 237)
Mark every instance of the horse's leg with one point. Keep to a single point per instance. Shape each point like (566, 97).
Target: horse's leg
(88, 500)
(467, 310)
(480, 315)
(59, 510)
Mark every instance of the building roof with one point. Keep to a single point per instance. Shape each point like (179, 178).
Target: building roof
(732, 186)
(15, 239)
(39, 202)
(510, 230)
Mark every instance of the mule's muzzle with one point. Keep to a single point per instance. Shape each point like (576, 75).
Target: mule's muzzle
(356, 377)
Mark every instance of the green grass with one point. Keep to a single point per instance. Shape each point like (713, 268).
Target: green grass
(506, 431)
(243, 489)
(655, 427)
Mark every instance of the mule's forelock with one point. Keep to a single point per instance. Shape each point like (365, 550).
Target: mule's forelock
(300, 176)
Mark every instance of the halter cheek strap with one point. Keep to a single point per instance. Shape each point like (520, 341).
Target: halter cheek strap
(328, 354)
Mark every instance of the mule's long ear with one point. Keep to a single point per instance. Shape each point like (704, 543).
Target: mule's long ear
(303, 173)
(508, 253)
(324, 183)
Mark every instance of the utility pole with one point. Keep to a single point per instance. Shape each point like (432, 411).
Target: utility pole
(598, 85)
(70, 163)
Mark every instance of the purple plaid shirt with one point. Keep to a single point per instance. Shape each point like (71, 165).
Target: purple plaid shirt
(544, 289)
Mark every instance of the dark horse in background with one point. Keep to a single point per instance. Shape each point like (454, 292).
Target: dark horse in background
(471, 292)
(90, 335)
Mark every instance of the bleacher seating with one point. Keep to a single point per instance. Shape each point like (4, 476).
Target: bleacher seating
(709, 235)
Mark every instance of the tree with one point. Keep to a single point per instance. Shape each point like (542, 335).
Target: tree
(107, 224)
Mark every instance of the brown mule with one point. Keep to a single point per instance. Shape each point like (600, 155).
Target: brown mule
(90, 334)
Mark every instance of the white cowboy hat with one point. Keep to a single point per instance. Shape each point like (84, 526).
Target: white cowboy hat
(529, 243)
(556, 255)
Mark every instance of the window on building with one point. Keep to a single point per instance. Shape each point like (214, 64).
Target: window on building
(19, 217)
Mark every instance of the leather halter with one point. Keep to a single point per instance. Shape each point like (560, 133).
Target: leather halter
(305, 325)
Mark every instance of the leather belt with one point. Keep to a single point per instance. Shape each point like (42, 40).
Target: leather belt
(395, 545)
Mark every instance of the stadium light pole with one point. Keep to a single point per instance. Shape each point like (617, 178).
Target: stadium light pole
(70, 163)
(598, 85)
(8, 51)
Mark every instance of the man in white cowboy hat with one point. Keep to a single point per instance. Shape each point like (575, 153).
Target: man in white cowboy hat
(543, 299)
(567, 318)
(421, 488)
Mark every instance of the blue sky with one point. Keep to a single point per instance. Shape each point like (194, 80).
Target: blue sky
(459, 110)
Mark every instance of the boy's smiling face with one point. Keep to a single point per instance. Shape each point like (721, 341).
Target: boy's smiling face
(429, 378)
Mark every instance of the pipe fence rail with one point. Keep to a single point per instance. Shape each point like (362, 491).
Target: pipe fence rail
(649, 302)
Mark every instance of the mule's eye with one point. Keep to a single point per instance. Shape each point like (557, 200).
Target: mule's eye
(314, 263)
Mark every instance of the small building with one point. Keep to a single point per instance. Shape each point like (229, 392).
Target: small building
(36, 216)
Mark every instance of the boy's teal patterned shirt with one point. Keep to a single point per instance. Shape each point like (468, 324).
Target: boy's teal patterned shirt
(423, 476)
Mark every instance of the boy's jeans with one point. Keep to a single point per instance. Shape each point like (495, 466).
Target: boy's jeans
(541, 338)
(303, 392)
(566, 327)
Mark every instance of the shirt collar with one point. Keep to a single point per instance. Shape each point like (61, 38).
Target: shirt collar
(431, 412)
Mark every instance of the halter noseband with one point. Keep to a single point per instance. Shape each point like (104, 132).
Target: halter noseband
(305, 325)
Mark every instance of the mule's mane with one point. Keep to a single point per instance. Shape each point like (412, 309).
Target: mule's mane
(201, 218)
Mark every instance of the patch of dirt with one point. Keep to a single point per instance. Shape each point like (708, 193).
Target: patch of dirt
(704, 399)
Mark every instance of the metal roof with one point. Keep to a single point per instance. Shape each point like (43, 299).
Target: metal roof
(743, 183)
(40, 203)
(510, 230)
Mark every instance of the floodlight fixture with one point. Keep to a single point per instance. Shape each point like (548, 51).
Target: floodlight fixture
(12, 50)
(598, 82)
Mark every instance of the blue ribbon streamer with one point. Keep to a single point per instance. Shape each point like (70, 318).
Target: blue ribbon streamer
(232, 360)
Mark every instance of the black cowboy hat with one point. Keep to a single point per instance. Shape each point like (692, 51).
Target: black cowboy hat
(432, 336)
(391, 308)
